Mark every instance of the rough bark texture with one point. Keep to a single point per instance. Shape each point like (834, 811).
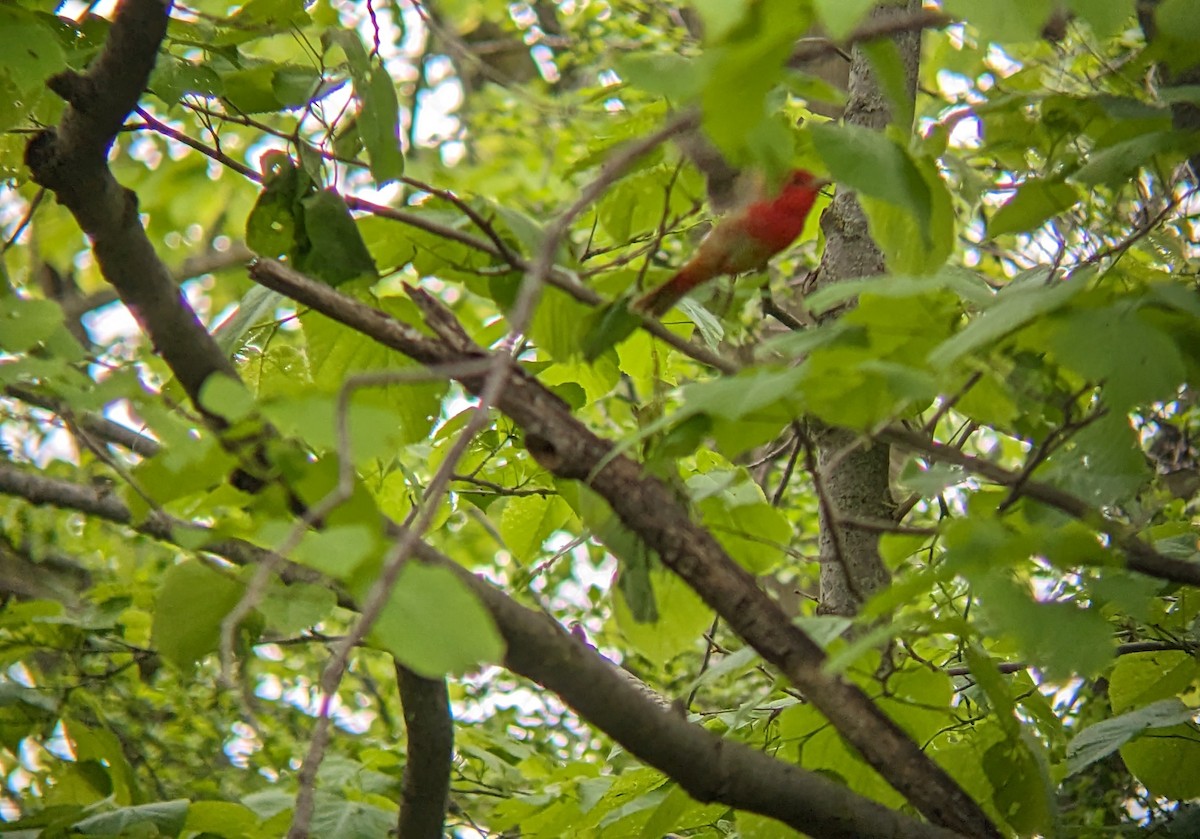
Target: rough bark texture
(427, 768)
(855, 474)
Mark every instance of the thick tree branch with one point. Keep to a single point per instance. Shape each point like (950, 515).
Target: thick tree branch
(426, 782)
(566, 447)
(103, 504)
(708, 767)
(70, 161)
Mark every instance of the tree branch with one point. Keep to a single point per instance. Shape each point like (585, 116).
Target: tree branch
(70, 161)
(1139, 556)
(426, 782)
(708, 767)
(564, 446)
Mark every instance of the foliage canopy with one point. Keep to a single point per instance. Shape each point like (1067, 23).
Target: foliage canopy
(907, 544)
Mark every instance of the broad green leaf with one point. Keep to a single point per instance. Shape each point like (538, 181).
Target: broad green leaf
(381, 417)
(1117, 164)
(1064, 638)
(29, 52)
(226, 397)
(841, 16)
(26, 323)
(173, 78)
(275, 225)
(1102, 739)
(296, 606)
(1139, 679)
(256, 307)
(755, 535)
(251, 91)
(748, 63)
(1136, 362)
(736, 396)
(664, 74)
(1013, 309)
(192, 601)
(378, 126)
(682, 620)
(1106, 17)
(527, 522)
(95, 743)
(342, 817)
(1034, 202)
(168, 817)
(435, 625)
(334, 251)
(966, 284)
(220, 818)
(872, 164)
(609, 327)
(1023, 792)
(1014, 21)
(891, 76)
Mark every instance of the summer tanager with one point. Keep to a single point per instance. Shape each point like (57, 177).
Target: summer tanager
(742, 241)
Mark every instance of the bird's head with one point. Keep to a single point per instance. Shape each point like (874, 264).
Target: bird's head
(802, 180)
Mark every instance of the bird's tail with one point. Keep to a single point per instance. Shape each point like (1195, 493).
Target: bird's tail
(658, 301)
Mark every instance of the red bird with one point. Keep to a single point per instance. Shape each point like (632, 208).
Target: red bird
(742, 241)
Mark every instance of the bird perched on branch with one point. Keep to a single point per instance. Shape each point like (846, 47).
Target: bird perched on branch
(741, 241)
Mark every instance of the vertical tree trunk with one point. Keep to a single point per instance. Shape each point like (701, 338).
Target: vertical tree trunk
(854, 475)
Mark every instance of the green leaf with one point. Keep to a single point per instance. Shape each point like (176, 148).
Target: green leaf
(1034, 202)
(745, 67)
(435, 625)
(347, 819)
(296, 606)
(1137, 362)
(174, 77)
(609, 326)
(29, 52)
(26, 323)
(1012, 21)
(275, 226)
(379, 126)
(381, 417)
(226, 397)
(1118, 163)
(1098, 741)
(841, 16)
(527, 522)
(663, 74)
(755, 535)
(192, 601)
(168, 817)
(335, 251)
(251, 91)
(681, 621)
(892, 77)
(870, 163)
(1164, 759)
(255, 307)
(1018, 305)
(1143, 678)
(220, 818)
(295, 86)
(1106, 17)
(1067, 639)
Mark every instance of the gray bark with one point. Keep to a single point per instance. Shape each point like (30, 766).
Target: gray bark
(854, 475)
